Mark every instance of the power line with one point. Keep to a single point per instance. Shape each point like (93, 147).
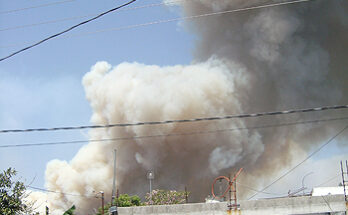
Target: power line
(85, 16)
(67, 30)
(328, 180)
(253, 189)
(169, 135)
(85, 196)
(36, 6)
(181, 18)
(67, 194)
(292, 169)
(336, 107)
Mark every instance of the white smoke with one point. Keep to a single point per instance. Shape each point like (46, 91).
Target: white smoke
(133, 92)
(262, 60)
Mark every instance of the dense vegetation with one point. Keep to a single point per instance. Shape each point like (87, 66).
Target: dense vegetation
(12, 194)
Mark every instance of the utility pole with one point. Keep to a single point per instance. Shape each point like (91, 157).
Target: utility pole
(113, 208)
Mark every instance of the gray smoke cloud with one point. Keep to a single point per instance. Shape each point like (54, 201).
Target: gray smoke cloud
(261, 60)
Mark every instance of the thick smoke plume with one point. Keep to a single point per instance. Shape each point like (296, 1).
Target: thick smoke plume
(261, 60)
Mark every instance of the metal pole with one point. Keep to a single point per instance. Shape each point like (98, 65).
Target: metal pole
(113, 208)
(150, 176)
(114, 181)
(343, 181)
(230, 194)
(102, 198)
(235, 195)
(150, 191)
(186, 196)
(220, 188)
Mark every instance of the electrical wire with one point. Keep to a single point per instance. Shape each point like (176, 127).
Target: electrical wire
(179, 19)
(166, 21)
(336, 107)
(328, 180)
(67, 194)
(67, 30)
(89, 15)
(170, 135)
(36, 6)
(253, 189)
(311, 155)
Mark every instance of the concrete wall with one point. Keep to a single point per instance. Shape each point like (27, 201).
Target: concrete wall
(318, 205)
(295, 205)
(182, 209)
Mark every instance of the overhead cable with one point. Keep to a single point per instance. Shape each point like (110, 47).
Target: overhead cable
(167, 3)
(62, 193)
(253, 189)
(299, 164)
(67, 30)
(336, 107)
(36, 6)
(181, 18)
(169, 20)
(328, 180)
(169, 135)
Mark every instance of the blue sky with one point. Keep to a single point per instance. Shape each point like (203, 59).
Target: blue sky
(42, 87)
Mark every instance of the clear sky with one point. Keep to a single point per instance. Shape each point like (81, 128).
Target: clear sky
(41, 87)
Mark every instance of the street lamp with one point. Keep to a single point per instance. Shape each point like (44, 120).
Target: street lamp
(150, 176)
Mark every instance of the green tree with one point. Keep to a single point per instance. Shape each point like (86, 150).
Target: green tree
(124, 200)
(12, 194)
(127, 201)
(70, 211)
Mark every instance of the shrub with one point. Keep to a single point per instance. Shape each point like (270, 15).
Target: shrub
(127, 201)
(165, 197)
(124, 200)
